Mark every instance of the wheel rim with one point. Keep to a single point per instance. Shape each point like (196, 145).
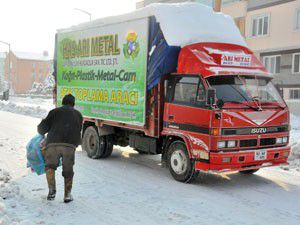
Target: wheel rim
(179, 162)
(92, 143)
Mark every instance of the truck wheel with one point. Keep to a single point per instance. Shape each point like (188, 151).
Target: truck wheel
(109, 146)
(92, 143)
(249, 172)
(180, 164)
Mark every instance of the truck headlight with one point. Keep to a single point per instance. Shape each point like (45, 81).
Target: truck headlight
(231, 144)
(204, 155)
(279, 140)
(221, 144)
(284, 139)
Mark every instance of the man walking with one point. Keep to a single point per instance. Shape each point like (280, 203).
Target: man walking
(63, 126)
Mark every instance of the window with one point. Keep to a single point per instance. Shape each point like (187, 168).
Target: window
(294, 93)
(260, 26)
(297, 19)
(40, 77)
(296, 63)
(187, 91)
(272, 63)
(239, 89)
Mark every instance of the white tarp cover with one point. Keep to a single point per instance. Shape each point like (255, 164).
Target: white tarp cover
(182, 23)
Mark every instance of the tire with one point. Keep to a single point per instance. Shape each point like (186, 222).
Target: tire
(249, 172)
(92, 143)
(179, 163)
(109, 146)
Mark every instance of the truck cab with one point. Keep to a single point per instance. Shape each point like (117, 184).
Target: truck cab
(225, 111)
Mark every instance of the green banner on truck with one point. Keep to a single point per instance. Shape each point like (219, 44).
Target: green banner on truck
(105, 69)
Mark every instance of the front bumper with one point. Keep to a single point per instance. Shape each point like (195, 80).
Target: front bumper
(243, 160)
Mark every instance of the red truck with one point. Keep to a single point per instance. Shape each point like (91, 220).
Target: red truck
(213, 109)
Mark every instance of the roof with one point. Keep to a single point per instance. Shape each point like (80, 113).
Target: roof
(181, 23)
(32, 56)
(208, 59)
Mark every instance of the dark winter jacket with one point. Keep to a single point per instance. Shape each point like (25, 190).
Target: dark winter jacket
(63, 125)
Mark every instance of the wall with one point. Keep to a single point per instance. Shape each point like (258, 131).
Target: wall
(10, 76)
(235, 9)
(286, 77)
(253, 4)
(281, 29)
(2, 64)
(238, 11)
(22, 73)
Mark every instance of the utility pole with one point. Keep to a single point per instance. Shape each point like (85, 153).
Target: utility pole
(85, 12)
(9, 62)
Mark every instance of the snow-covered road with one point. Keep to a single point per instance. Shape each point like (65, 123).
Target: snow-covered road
(128, 188)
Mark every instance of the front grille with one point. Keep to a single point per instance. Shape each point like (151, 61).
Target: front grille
(248, 143)
(267, 141)
(245, 131)
(229, 132)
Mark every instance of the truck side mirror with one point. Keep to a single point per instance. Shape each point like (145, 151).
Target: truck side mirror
(211, 96)
(220, 103)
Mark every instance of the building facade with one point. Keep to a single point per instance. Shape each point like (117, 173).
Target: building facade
(25, 69)
(272, 30)
(2, 65)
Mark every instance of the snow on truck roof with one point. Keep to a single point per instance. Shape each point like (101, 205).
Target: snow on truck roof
(181, 23)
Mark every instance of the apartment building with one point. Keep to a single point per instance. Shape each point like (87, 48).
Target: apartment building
(272, 30)
(25, 69)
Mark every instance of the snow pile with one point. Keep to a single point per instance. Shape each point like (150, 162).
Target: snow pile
(34, 111)
(294, 158)
(45, 88)
(195, 23)
(3, 85)
(8, 190)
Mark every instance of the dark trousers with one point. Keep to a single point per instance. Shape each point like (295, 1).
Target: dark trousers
(54, 152)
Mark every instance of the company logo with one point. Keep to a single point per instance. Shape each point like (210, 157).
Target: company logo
(236, 60)
(258, 130)
(131, 48)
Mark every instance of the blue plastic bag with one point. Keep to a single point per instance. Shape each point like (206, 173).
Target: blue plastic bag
(35, 159)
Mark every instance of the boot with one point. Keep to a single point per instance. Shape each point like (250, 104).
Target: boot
(50, 175)
(68, 187)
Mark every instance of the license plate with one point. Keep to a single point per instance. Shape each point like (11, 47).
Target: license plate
(260, 155)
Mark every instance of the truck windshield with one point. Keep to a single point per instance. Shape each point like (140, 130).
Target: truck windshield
(238, 89)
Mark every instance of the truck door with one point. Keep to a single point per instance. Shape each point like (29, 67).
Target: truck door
(185, 108)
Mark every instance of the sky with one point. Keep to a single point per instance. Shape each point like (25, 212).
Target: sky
(30, 25)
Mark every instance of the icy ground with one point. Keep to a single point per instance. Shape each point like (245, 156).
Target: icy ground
(129, 188)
